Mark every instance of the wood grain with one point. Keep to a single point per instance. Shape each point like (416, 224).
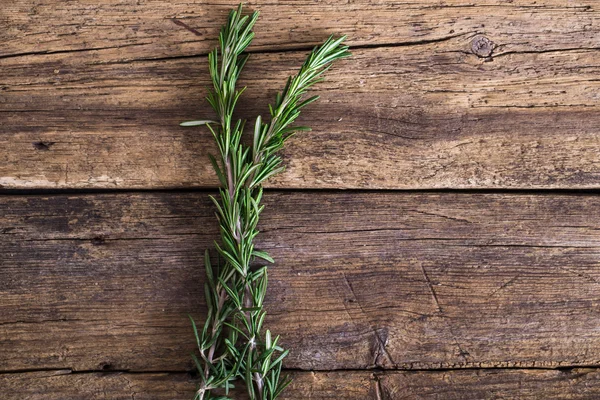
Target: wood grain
(578, 383)
(428, 116)
(411, 281)
(407, 295)
(156, 29)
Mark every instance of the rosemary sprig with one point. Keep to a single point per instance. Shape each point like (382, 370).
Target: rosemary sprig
(231, 343)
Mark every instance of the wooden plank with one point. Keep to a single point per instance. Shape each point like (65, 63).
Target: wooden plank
(579, 383)
(59, 385)
(411, 117)
(412, 281)
(186, 27)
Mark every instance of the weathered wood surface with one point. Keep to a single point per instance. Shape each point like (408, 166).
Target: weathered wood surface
(157, 29)
(440, 113)
(61, 384)
(578, 383)
(447, 94)
(412, 281)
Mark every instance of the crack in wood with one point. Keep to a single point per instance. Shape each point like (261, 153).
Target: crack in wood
(378, 387)
(186, 26)
(430, 286)
(461, 352)
(504, 285)
(440, 215)
(65, 51)
(380, 334)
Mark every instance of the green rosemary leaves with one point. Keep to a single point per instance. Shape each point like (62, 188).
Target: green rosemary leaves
(232, 343)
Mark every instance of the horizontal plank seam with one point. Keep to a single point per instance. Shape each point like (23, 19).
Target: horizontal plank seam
(71, 371)
(568, 49)
(581, 8)
(415, 239)
(211, 190)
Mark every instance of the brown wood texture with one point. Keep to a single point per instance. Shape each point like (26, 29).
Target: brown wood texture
(389, 280)
(384, 295)
(157, 29)
(578, 383)
(440, 95)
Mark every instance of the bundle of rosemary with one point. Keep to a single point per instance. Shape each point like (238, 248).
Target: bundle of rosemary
(231, 343)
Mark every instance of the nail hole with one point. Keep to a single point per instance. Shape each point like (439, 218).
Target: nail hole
(98, 240)
(565, 370)
(43, 146)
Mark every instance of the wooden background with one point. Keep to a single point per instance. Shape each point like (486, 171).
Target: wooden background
(463, 261)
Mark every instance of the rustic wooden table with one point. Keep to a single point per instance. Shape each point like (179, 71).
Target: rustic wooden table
(463, 263)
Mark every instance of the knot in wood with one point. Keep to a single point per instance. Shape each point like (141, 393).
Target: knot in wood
(482, 46)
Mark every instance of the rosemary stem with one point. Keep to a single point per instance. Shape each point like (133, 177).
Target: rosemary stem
(211, 351)
(259, 384)
(236, 296)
